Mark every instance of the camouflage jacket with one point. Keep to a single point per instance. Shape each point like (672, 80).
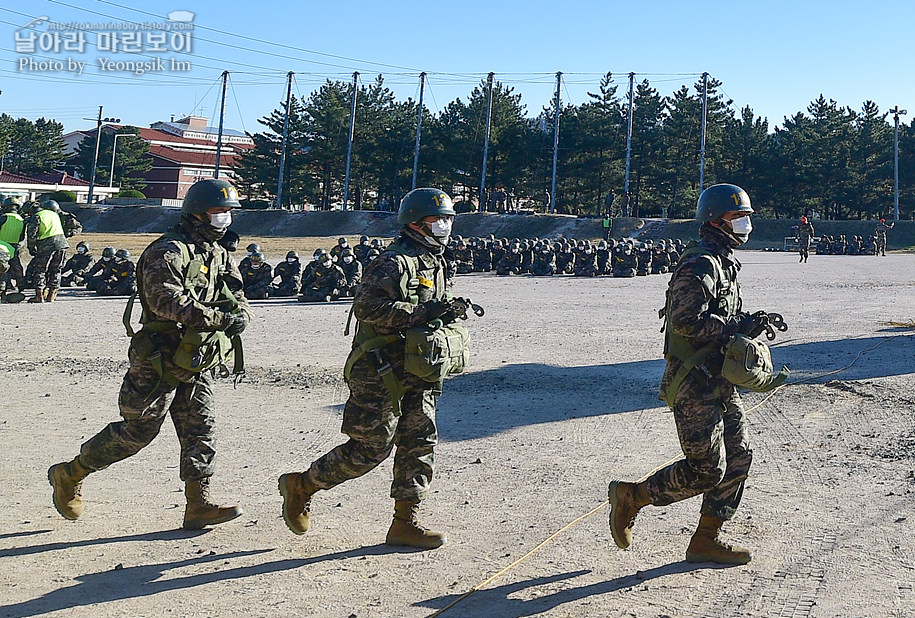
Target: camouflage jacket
(161, 284)
(696, 309)
(380, 299)
(79, 264)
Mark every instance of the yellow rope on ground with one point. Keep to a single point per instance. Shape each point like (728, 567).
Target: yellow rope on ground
(909, 324)
(769, 396)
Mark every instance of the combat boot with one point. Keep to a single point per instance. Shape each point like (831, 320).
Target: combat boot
(67, 479)
(297, 489)
(39, 296)
(405, 530)
(626, 500)
(51, 295)
(705, 546)
(200, 512)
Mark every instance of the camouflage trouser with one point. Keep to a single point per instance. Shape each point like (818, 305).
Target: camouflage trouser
(319, 295)
(258, 291)
(803, 246)
(14, 274)
(118, 288)
(47, 269)
(374, 431)
(144, 400)
(713, 434)
(881, 245)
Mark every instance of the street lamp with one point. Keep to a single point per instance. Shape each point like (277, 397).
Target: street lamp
(114, 148)
(896, 114)
(98, 137)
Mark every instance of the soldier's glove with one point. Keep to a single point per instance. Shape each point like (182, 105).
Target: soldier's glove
(435, 309)
(754, 325)
(238, 321)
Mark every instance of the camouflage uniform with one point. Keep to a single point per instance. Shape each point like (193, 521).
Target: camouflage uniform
(122, 282)
(322, 282)
(257, 280)
(368, 417)
(49, 253)
(510, 264)
(707, 408)
(145, 397)
(290, 274)
(804, 235)
(99, 273)
(880, 237)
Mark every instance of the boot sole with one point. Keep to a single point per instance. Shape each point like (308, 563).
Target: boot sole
(200, 525)
(285, 493)
(400, 543)
(693, 557)
(69, 516)
(614, 504)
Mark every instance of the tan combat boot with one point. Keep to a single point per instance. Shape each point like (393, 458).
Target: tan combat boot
(705, 546)
(200, 512)
(405, 530)
(51, 295)
(67, 479)
(626, 500)
(297, 489)
(39, 296)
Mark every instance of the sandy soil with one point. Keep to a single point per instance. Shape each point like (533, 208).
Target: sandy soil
(561, 398)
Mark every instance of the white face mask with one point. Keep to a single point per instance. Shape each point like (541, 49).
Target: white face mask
(81, 250)
(441, 228)
(348, 260)
(291, 260)
(742, 226)
(326, 263)
(221, 220)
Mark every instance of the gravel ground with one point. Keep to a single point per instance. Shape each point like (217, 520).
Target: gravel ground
(561, 397)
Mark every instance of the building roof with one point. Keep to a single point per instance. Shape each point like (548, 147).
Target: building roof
(210, 130)
(60, 178)
(192, 157)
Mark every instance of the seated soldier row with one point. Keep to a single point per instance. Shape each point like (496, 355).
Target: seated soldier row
(838, 245)
(625, 257)
(112, 275)
(330, 275)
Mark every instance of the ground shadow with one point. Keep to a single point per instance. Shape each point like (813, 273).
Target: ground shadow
(13, 535)
(145, 580)
(488, 402)
(496, 601)
(162, 535)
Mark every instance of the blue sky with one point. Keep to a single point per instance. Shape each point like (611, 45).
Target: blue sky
(774, 56)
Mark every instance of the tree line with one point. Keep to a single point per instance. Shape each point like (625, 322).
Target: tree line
(828, 160)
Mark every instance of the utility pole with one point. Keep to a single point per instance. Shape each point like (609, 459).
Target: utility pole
(222, 115)
(628, 147)
(98, 139)
(419, 127)
(702, 139)
(896, 114)
(486, 142)
(114, 149)
(556, 104)
(279, 182)
(349, 146)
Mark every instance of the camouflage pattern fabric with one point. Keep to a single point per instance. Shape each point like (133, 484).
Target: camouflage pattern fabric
(122, 282)
(257, 280)
(368, 418)
(510, 264)
(290, 275)
(76, 269)
(322, 281)
(707, 410)
(47, 267)
(145, 398)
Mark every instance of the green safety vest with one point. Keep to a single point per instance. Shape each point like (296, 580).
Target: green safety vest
(726, 303)
(49, 224)
(11, 231)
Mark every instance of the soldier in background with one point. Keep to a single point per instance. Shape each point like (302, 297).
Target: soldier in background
(290, 275)
(101, 270)
(12, 232)
(804, 234)
(880, 234)
(257, 277)
(123, 279)
(361, 250)
(339, 248)
(352, 268)
(77, 268)
(544, 261)
(246, 261)
(48, 245)
(323, 283)
(510, 264)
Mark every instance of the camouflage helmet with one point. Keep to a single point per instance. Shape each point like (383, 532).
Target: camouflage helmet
(346, 253)
(292, 254)
(209, 193)
(425, 202)
(372, 254)
(718, 200)
(318, 253)
(83, 243)
(341, 241)
(122, 254)
(108, 252)
(257, 257)
(51, 205)
(253, 248)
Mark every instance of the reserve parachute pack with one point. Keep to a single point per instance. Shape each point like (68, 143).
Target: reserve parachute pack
(433, 351)
(748, 365)
(197, 350)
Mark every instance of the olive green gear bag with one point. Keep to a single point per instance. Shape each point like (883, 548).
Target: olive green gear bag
(435, 350)
(748, 365)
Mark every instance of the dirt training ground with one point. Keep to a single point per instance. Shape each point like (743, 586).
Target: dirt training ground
(561, 398)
